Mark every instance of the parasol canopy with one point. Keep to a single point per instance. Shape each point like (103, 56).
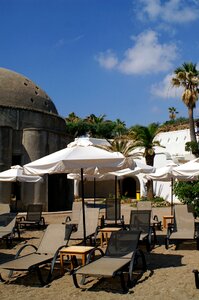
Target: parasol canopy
(15, 173)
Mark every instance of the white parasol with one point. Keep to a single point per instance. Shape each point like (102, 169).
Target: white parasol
(77, 158)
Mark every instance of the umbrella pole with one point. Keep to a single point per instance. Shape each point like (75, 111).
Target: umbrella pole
(172, 196)
(83, 206)
(115, 200)
(94, 190)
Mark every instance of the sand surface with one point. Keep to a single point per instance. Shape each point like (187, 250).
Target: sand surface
(168, 276)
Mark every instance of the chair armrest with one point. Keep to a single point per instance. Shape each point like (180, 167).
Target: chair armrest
(155, 218)
(93, 238)
(68, 219)
(16, 229)
(102, 222)
(43, 221)
(197, 229)
(170, 229)
(23, 247)
(152, 239)
(92, 254)
(19, 219)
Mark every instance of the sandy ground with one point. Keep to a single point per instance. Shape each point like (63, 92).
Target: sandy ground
(168, 276)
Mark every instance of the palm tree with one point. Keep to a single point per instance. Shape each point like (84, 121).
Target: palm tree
(120, 128)
(187, 76)
(123, 145)
(172, 113)
(76, 126)
(143, 137)
(94, 119)
(72, 117)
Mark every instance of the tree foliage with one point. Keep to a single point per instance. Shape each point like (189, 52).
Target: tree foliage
(122, 145)
(187, 77)
(143, 137)
(188, 193)
(94, 126)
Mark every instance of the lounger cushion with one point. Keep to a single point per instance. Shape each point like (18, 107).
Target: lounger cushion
(26, 262)
(105, 266)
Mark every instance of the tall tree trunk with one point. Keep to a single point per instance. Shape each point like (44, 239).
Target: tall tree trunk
(192, 130)
(191, 125)
(149, 185)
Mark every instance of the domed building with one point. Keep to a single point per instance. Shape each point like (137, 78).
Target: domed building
(30, 128)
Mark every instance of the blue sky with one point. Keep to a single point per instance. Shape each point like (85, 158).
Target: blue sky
(112, 57)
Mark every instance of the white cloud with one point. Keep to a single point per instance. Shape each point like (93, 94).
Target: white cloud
(147, 55)
(151, 8)
(165, 90)
(172, 11)
(107, 59)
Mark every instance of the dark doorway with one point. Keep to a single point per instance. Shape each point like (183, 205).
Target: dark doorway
(15, 186)
(15, 195)
(60, 192)
(16, 160)
(129, 187)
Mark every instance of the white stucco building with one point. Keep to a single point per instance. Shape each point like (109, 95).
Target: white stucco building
(173, 149)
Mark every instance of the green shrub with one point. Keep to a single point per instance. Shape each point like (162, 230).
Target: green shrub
(157, 201)
(188, 193)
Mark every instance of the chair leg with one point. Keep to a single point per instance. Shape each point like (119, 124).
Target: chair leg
(8, 277)
(40, 276)
(167, 243)
(196, 275)
(74, 261)
(1, 279)
(75, 279)
(177, 245)
(149, 243)
(52, 267)
(50, 271)
(197, 243)
(8, 242)
(123, 284)
(42, 222)
(134, 262)
(43, 283)
(151, 239)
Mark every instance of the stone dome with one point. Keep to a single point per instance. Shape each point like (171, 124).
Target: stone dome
(20, 92)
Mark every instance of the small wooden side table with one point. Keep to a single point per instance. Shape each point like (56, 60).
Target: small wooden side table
(165, 218)
(73, 251)
(106, 231)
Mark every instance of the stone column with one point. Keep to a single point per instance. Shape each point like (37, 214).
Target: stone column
(6, 134)
(35, 143)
